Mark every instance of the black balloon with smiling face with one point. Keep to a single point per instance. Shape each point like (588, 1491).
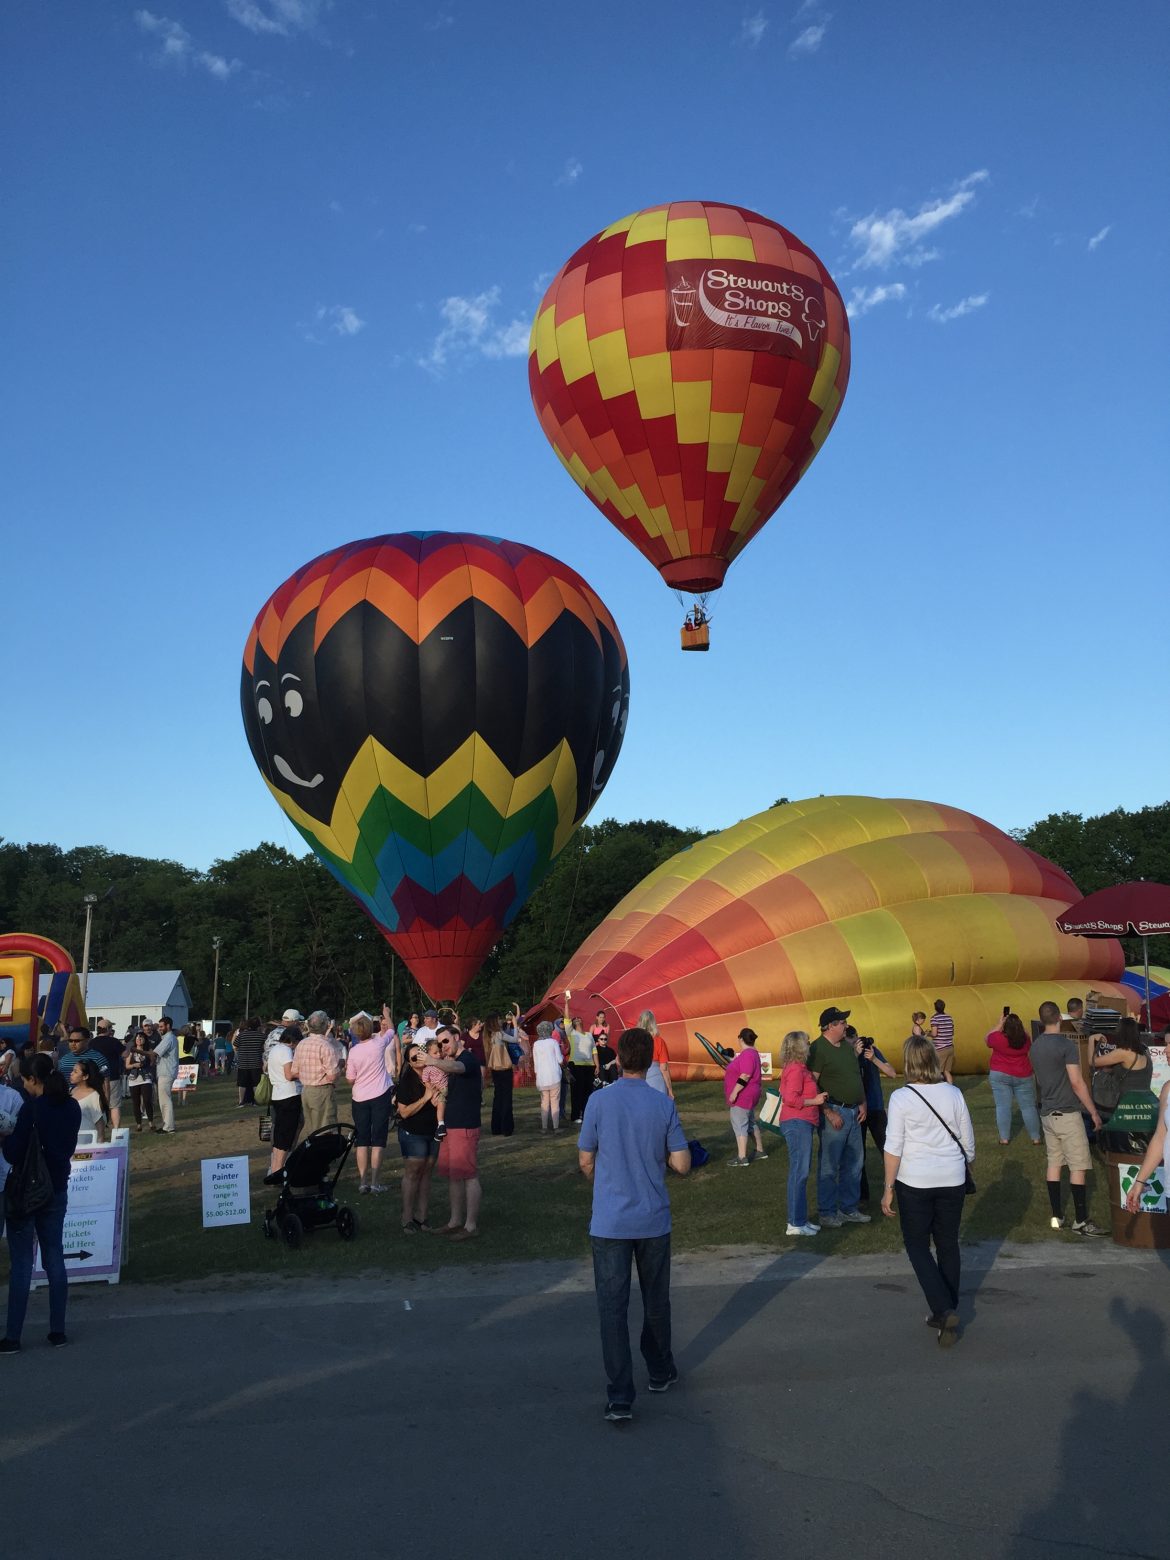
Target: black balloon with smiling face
(286, 726)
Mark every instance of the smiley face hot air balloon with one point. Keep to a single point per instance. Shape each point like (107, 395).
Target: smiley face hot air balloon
(686, 365)
(436, 714)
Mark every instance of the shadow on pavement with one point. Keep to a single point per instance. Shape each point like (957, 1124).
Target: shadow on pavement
(1108, 1466)
(745, 1304)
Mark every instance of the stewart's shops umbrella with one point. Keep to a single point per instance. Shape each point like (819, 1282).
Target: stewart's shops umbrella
(1127, 909)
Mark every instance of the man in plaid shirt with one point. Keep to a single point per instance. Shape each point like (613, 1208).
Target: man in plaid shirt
(316, 1062)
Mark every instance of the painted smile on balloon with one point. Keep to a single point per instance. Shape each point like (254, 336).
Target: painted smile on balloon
(287, 771)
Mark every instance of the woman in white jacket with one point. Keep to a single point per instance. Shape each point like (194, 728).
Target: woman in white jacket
(929, 1144)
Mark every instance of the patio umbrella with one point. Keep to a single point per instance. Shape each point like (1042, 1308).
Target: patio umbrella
(1125, 910)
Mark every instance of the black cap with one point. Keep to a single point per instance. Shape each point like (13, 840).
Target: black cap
(834, 1015)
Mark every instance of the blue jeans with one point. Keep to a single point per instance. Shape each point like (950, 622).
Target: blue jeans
(48, 1226)
(799, 1137)
(611, 1278)
(1005, 1089)
(839, 1164)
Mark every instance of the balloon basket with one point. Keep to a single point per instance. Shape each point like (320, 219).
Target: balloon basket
(696, 638)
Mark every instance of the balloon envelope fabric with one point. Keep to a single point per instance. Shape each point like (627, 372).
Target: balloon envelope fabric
(686, 365)
(436, 713)
(877, 906)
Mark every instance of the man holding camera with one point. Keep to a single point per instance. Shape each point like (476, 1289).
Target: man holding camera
(833, 1063)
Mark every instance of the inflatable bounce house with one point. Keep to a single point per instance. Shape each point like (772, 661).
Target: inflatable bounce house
(880, 906)
(29, 997)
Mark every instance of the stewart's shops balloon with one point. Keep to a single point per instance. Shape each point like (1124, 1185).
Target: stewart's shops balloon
(686, 365)
(878, 906)
(436, 714)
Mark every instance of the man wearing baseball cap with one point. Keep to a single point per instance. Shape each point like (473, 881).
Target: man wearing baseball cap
(834, 1065)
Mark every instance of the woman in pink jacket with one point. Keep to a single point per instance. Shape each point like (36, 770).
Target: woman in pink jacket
(800, 1114)
(742, 1083)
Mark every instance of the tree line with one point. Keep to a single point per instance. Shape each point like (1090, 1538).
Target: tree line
(289, 934)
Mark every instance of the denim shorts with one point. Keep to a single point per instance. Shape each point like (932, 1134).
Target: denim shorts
(415, 1146)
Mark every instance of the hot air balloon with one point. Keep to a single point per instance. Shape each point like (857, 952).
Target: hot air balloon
(878, 906)
(686, 365)
(436, 714)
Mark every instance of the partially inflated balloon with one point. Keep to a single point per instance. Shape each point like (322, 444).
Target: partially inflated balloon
(873, 905)
(436, 714)
(686, 365)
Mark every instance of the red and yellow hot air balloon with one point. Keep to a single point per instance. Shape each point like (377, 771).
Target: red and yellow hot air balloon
(686, 365)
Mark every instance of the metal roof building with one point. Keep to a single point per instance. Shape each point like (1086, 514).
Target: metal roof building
(126, 997)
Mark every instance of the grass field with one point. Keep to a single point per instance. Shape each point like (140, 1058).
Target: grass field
(536, 1204)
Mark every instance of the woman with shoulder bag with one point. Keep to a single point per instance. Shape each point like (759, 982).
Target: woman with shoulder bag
(930, 1147)
(50, 1119)
(1126, 1069)
(499, 1060)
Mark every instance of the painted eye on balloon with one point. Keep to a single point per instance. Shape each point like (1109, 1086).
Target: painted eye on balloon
(264, 710)
(293, 702)
(598, 766)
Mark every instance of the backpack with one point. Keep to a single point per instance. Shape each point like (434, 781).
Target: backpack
(28, 1188)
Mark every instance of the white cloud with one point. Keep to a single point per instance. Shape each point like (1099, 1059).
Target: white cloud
(752, 30)
(571, 172)
(883, 239)
(1099, 237)
(810, 40)
(281, 18)
(1030, 208)
(942, 316)
(441, 21)
(470, 328)
(337, 319)
(863, 299)
(177, 47)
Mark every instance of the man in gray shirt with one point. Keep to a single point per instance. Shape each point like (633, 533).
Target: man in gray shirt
(1063, 1096)
(166, 1067)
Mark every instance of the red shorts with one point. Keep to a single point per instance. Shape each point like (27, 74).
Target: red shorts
(459, 1154)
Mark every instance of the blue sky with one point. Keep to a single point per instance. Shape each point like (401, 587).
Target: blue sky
(270, 270)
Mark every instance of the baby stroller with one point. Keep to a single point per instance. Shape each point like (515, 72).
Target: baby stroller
(307, 1181)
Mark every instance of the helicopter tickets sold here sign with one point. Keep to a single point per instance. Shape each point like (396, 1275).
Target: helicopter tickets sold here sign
(227, 1196)
(95, 1218)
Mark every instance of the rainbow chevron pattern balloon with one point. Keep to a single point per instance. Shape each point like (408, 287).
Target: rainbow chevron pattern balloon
(436, 714)
(877, 906)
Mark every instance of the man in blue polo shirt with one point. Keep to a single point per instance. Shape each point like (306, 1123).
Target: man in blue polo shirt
(629, 1134)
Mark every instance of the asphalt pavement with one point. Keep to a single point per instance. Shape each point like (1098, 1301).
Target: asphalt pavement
(461, 1412)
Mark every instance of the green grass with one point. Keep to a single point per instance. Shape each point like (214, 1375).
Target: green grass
(536, 1204)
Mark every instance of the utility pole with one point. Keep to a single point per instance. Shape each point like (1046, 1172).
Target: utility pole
(215, 942)
(248, 997)
(89, 901)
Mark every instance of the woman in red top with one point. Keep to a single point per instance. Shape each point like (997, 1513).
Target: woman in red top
(800, 1114)
(1011, 1078)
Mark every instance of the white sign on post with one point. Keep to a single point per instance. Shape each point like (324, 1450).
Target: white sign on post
(95, 1218)
(227, 1195)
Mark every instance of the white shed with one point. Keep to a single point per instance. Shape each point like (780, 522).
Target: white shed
(126, 997)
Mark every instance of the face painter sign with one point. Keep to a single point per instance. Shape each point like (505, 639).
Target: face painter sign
(740, 303)
(227, 1196)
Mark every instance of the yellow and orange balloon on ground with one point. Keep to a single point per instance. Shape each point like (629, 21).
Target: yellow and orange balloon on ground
(879, 906)
(686, 365)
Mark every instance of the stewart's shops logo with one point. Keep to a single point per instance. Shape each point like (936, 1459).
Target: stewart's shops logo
(742, 304)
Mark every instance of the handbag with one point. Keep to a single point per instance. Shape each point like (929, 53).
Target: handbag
(969, 1181)
(29, 1187)
(262, 1092)
(266, 1128)
(1108, 1086)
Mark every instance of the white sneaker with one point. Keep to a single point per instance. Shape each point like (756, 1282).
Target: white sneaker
(1055, 1223)
(812, 1229)
(802, 1229)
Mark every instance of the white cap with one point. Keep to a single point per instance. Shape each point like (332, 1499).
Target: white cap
(291, 1016)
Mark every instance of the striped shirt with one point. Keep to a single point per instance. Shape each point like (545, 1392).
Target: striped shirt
(942, 1031)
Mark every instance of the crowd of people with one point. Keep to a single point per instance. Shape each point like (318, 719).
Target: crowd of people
(424, 1079)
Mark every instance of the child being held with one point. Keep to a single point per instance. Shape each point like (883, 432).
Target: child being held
(437, 1079)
